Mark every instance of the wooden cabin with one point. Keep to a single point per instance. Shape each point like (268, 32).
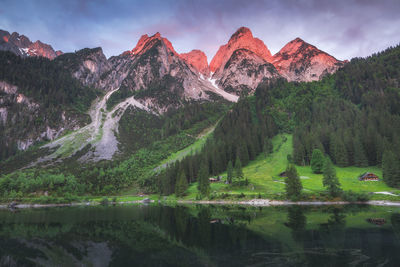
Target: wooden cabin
(214, 179)
(376, 221)
(368, 176)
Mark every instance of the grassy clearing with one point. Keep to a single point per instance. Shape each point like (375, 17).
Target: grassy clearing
(192, 149)
(263, 175)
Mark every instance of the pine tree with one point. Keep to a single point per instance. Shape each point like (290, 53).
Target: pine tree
(332, 146)
(330, 179)
(390, 169)
(203, 182)
(293, 184)
(181, 184)
(238, 169)
(268, 147)
(348, 142)
(360, 159)
(244, 153)
(298, 152)
(379, 149)
(229, 172)
(317, 161)
(341, 153)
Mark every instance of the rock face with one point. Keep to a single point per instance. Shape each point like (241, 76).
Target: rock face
(198, 60)
(17, 111)
(157, 76)
(241, 39)
(300, 61)
(86, 65)
(22, 46)
(153, 77)
(244, 71)
(145, 43)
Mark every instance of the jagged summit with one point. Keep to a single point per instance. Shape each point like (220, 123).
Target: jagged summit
(198, 60)
(22, 46)
(242, 31)
(244, 71)
(241, 39)
(146, 42)
(297, 46)
(301, 61)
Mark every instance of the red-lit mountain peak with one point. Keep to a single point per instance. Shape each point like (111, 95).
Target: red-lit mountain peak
(301, 61)
(145, 42)
(198, 60)
(241, 39)
(22, 46)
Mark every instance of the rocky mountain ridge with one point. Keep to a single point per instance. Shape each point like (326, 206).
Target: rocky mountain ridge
(155, 78)
(198, 60)
(299, 61)
(241, 39)
(22, 46)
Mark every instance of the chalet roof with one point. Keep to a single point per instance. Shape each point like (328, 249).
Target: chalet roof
(368, 174)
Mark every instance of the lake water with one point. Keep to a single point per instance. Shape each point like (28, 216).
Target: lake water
(201, 236)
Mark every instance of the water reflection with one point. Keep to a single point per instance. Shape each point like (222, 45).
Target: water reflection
(200, 236)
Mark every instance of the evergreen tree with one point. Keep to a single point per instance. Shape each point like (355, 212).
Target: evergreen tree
(390, 169)
(348, 142)
(298, 152)
(293, 184)
(360, 159)
(244, 153)
(229, 172)
(317, 161)
(380, 143)
(238, 169)
(204, 182)
(341, 153)
(181, 184)
(330, 179)
(268, 147)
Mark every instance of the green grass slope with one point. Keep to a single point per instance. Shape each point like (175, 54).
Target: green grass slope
(263, 176)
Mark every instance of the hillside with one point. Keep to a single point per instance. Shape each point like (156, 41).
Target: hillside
(358, 129)
(39, 102)
(264, 180)
(137, 121)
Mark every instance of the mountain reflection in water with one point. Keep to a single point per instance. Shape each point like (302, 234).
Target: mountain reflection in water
(201, 236)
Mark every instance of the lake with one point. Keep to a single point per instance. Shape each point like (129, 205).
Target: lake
(200, 235)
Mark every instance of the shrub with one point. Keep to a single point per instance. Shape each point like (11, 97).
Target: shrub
(241, 195)
(104, 201)
(351, 196)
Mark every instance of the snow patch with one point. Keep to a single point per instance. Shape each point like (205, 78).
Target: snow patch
(217, 90)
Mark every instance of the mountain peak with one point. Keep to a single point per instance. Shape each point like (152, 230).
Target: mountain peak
(301, 61)
(242, 31)
(298, 46)
(145, 42)
(198, 60)
(22, 46)
(241, 39)
(298, 40)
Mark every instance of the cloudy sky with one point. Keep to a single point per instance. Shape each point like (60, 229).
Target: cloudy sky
(343, 28)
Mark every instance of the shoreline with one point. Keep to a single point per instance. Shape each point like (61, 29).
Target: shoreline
(252, 202)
